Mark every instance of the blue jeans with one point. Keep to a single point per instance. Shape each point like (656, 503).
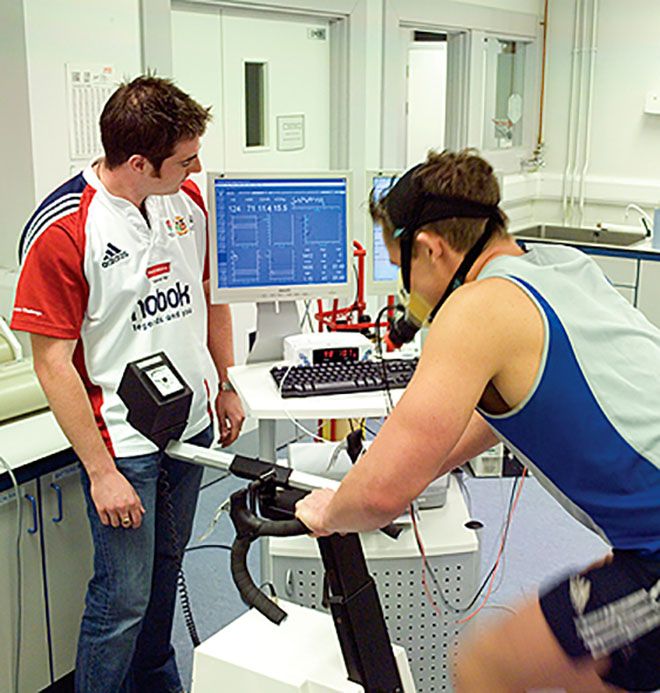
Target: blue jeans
(125, 635)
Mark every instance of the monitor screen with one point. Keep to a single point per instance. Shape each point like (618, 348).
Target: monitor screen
(278, 238)
(382, 277)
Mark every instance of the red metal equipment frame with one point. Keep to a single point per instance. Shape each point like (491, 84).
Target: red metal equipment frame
(350, 318)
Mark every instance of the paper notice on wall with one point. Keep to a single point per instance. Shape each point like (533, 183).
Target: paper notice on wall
(88, 88)
(290, 132)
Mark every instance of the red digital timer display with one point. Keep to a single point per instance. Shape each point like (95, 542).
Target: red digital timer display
(335, 354)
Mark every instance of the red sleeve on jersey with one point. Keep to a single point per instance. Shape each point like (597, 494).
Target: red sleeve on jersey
(195, 195)
(191, 189)
(52, 292)
(206, 273)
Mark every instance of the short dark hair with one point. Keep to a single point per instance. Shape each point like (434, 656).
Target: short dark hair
(149, 116)
(460, 175)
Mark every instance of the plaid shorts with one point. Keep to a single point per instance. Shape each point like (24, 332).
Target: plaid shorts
(612, 611)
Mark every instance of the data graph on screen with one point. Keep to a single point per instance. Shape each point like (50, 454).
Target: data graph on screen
(284, 235)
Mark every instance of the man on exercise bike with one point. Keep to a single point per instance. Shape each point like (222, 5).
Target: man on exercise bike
(538, 350)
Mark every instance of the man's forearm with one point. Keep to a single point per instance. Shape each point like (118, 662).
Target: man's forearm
(69, 403)
(362, 502)
(348, 514)
(351, 510)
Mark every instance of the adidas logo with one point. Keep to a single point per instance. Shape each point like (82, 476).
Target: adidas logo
(112, 255)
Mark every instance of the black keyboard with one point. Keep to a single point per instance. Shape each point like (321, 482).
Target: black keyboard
(343, 378)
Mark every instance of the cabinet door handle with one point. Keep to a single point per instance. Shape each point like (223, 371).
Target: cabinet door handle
(58, 490)
(35, 526)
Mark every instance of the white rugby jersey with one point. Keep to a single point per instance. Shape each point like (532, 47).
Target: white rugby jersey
(590, 427)
(92, 269)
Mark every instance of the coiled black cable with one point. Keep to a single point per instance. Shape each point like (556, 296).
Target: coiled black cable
(182, 587)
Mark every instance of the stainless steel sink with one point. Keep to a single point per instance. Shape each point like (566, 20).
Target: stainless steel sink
(581, 235)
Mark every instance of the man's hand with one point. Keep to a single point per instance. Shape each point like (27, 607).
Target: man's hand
(116, 500)
(311, 511)
(230, 416)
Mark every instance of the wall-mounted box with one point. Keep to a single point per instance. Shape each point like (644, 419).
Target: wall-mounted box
(652, 103)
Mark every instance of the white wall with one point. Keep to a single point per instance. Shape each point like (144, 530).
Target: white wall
(38, 38)
(625, 142)
(17, 190)
(529, 6)
(100, 32)
(71, 31)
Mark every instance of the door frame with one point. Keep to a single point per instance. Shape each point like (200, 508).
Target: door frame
(350, 46)
(463, 23)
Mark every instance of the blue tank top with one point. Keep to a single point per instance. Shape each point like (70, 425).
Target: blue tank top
(590, 426)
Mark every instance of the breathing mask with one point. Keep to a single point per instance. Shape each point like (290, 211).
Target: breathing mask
(409, 208)
(414, 312)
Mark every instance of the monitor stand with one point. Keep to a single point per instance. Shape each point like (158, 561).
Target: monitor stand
(275, 321)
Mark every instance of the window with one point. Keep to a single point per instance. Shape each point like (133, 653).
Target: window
(255, 104)
(503, 93)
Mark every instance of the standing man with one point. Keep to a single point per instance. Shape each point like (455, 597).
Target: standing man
(114, 268)
(538, 350)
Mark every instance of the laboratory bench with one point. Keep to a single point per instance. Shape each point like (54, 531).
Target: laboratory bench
(56, 553)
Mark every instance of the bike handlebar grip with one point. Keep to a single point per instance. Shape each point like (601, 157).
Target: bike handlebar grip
(282, 528)
(250, 593)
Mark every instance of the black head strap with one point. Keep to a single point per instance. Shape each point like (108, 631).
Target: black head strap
(410, 208)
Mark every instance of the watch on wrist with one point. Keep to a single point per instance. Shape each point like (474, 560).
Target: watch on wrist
(226, 386)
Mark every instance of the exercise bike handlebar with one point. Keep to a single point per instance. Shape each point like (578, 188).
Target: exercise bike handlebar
(250, 527)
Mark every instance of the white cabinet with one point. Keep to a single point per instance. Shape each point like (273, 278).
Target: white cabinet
(34, 668)
(628, 292)
(68, 556)
(620, 271)
(648, 300)
(56, 553)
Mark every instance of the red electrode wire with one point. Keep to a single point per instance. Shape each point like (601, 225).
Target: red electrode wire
(418, 537)
(427, 591)
(500, 552)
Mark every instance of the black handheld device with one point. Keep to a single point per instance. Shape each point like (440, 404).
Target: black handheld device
(157, 398)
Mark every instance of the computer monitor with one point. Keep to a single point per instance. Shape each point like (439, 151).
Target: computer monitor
(382, 275)
(278, 237)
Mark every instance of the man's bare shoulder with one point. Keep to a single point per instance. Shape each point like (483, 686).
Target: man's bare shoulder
(490, 299)
(488, 320)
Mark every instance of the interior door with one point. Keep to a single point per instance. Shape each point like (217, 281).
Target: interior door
(427, 96)
(197, 69)
(293, 55)
(266, 75)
